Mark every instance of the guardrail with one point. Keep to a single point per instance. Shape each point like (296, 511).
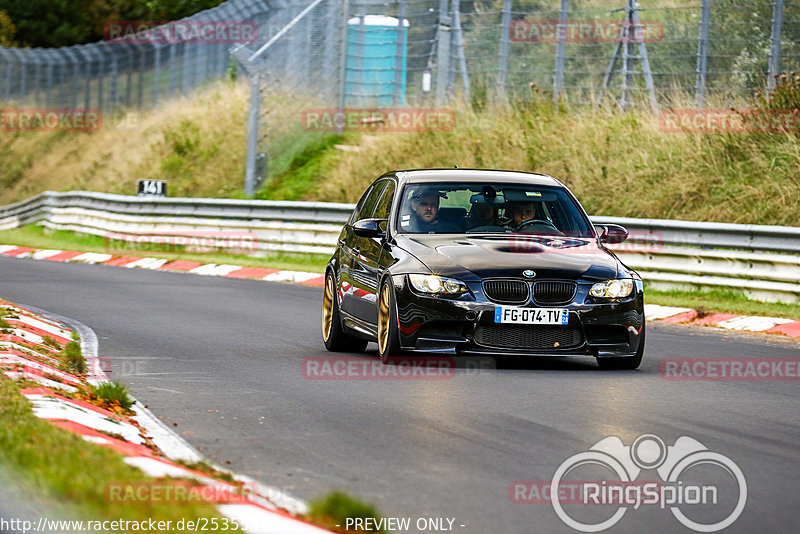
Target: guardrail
(761, 260)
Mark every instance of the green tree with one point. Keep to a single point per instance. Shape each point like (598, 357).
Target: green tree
(7, 30)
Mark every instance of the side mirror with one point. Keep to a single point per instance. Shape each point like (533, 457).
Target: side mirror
(370, 228)
(611, 233)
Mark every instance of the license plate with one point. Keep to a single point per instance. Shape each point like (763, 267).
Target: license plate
(510, 314)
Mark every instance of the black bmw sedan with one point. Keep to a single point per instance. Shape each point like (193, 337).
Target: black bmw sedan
(480, 262)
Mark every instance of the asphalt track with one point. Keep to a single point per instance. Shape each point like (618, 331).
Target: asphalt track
(222, 359)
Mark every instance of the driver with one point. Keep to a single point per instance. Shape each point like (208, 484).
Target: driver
(425, 214)
(521, 212)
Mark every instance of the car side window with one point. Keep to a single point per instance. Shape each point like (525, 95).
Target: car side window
(385, 203)
(368, 208)
(359, 206)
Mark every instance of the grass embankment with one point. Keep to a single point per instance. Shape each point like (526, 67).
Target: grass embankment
(72, 475)
(40, 237)
(617, 164)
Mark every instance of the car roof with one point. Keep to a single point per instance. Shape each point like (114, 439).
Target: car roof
(472, 175)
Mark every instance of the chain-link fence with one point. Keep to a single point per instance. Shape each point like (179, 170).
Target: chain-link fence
(139, 64)
(325, 57)
(309, 60)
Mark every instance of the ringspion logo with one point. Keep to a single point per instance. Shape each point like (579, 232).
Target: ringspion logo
(692, 478)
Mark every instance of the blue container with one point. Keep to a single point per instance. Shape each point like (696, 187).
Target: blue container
(372, 62)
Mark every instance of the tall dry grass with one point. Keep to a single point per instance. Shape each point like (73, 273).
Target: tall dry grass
(617, 164)
(196, 143)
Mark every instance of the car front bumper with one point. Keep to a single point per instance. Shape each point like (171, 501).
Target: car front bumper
(466, 325)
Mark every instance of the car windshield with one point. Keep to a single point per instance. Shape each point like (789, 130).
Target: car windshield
(446, 208)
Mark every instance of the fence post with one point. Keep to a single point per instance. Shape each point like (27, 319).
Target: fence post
(702, 53)
(156, 73)
(443, 46)
(343, 61)
(505, 28)
(8, 59)
(775, 44)
(558, 81)
(399, 98)
(460, 44)
(252, 135)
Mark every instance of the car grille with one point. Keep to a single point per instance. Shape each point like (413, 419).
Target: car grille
(527, 337)
(554, 292)
(506, 291)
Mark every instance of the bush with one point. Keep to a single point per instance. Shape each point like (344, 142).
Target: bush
(337, 506)
(72, 360)
(51, 342)
(786, 95)
(113, 393)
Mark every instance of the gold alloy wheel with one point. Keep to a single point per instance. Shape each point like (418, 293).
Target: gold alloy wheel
(327, 308)
(383, 320)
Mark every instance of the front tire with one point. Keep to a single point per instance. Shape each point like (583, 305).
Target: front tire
(333, 335)
(388, 328)
(626, 363)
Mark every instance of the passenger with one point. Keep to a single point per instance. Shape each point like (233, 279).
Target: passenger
(482, 215)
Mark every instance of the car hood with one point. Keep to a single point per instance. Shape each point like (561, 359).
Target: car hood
(483, 256)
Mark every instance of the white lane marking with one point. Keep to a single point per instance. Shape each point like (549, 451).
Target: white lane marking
(46, 407)
(653, 312)
(212, 269)
(146, 263)
(36, 323)
(92, 257)
(752, 324)
(256, 520)
(44, 254)
(290, 276)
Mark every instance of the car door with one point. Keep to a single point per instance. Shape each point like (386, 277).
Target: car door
(367, 269)
(354, 285)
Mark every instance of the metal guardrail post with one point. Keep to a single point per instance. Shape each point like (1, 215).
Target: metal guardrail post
(252, 136)
(775, 44)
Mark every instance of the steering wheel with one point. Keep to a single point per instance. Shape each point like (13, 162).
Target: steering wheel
(531, 222)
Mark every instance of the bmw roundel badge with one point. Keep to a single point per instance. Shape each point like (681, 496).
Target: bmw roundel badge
(527, 273)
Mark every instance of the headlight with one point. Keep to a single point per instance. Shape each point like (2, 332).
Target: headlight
(612, 289)
(437, 285)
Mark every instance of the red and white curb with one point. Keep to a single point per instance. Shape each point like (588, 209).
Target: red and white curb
(769, 325)
(25, 353)
(160, 264)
